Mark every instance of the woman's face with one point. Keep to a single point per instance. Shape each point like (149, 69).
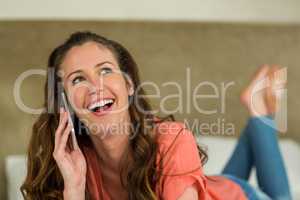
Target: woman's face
(95, 86)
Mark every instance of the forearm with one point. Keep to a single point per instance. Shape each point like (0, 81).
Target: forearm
(74, 193)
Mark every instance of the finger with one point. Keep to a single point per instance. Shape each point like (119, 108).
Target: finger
(62, 124)
(74, 141)
(60, 129)
(61, 111)
(63, 142)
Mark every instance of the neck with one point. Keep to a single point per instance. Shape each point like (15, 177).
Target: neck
(110, 149)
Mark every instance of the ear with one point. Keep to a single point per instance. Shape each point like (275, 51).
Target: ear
(130, 87)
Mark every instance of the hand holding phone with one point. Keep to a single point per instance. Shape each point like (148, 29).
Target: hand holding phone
(71, 163)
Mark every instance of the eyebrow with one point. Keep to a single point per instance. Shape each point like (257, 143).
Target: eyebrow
(79, 70)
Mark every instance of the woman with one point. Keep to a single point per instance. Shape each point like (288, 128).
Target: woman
(123, 150)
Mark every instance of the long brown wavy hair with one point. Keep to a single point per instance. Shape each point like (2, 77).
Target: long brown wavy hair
(44, 180)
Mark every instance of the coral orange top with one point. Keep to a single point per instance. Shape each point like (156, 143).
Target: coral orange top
(181, 168)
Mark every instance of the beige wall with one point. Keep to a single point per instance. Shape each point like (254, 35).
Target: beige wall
(286, 11)
(214, 52)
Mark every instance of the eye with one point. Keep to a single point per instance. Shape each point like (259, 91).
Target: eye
(77, 80)
(105, 70)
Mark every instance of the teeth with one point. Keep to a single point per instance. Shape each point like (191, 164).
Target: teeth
(100, 104)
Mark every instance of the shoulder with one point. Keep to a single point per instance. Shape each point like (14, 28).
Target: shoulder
(178, 161)
(173, 131)
(177, 147)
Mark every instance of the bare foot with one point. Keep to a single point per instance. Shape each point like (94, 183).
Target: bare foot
(277, 82)
(260, 97)
(253, 96)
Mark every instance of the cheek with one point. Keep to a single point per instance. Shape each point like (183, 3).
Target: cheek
(118, 85)
(78, 96)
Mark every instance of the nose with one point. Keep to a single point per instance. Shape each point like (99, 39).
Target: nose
(96, 86)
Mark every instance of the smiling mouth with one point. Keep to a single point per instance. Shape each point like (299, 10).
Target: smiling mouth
(100, 106)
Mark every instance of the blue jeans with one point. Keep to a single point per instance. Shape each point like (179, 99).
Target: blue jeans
(258, 147)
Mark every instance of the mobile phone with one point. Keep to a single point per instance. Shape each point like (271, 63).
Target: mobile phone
(67, 109)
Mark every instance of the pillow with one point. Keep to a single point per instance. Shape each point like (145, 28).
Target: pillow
(15, 169)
